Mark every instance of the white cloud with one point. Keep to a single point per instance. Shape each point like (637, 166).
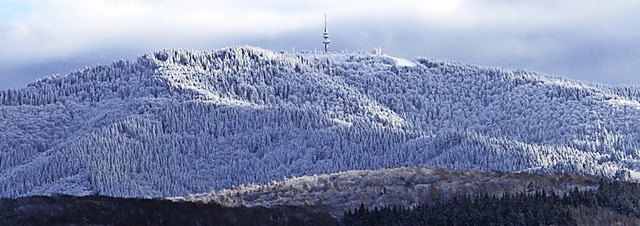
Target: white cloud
(60, 27)
(46, 30)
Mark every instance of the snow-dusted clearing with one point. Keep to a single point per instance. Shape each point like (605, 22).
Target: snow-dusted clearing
(177, 121)
(403, 62)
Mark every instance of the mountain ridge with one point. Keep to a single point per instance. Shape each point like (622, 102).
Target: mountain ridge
(178, 121)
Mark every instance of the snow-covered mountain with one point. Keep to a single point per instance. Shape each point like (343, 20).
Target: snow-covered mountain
(177, 122)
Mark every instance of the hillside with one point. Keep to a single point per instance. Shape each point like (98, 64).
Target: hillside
(176, 122)
(338, 193)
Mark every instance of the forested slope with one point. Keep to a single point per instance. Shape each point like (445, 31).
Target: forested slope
(178, 121)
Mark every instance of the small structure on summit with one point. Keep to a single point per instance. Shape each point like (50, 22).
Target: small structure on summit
(325, 35)
(377, 51)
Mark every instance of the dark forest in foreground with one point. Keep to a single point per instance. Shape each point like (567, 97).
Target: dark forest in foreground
(612, 203)
(102, 210)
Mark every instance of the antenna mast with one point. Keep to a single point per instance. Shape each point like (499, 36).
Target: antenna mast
(325, 35)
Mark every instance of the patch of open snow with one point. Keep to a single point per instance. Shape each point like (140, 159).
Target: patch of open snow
(635, 175)
(402, 62)
(342, 122)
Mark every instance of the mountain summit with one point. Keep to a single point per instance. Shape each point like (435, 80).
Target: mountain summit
(177, 121)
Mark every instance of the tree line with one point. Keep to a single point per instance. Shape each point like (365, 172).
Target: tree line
(524, 208)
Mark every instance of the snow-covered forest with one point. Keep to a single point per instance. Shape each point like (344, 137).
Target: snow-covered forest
(401, 187)
(176, 122)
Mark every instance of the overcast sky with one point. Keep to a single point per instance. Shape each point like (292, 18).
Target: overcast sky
(590, 40)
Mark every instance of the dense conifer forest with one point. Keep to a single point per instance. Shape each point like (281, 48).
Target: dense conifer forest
(525, 208)
(176, 122)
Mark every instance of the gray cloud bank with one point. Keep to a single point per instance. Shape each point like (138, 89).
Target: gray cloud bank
(587, 40)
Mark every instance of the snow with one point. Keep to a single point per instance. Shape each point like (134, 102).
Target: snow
(405, 186)
(342, 122)
(625, 102)
(635, 175)
(181, 121)
(403, 62)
